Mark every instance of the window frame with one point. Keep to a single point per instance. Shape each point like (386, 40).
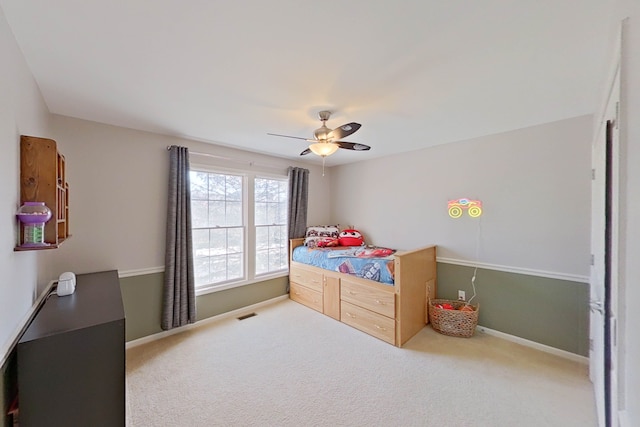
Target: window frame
(249, 238)
(284, 180)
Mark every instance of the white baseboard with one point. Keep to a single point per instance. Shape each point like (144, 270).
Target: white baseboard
(248, 309)
(547, 349)
(207, 321)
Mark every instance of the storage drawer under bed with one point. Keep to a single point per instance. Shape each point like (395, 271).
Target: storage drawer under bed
(302, 276)
(367, 321)
(306, 296)
(381, 301)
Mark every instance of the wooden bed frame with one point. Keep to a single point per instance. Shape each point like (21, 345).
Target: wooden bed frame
(392, 313)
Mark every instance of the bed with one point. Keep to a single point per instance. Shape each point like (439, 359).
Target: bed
(362, 296)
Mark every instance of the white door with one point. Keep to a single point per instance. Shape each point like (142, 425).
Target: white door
(597, 276)
(603, 277)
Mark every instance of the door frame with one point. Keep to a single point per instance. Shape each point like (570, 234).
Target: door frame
(609, 165)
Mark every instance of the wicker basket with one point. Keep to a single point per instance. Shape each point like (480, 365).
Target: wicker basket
(455, 323)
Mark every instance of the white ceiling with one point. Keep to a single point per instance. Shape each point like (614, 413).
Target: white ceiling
(413, 73)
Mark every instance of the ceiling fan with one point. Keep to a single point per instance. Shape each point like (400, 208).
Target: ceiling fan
(326, 141)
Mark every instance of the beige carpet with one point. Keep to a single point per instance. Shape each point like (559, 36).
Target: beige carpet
(292, 366)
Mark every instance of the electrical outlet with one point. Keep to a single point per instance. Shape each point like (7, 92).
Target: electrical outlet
(461, 296)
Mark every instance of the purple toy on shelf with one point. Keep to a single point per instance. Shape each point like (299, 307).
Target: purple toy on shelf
(34, 215)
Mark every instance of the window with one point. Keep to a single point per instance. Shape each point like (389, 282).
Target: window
(239, 236)
(270, 224)
(217, 206)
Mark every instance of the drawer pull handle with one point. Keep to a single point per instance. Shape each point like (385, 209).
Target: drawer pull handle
(353, 316)
(380, 302)
(352, 293)
(297, 293)
(380, 327)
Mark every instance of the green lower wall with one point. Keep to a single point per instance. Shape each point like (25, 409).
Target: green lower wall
(142, 298)
(547, 311)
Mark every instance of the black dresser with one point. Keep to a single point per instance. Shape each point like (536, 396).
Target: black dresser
(71, 358)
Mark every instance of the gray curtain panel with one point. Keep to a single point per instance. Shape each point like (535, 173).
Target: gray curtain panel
(179, 299)
(298, 200)
(298, 197)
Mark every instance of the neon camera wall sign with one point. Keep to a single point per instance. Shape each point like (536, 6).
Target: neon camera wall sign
(458, 206)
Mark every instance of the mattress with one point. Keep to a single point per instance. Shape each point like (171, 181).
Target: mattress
(373, 263)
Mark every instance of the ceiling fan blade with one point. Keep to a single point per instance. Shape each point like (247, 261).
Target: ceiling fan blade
(352, 146)
(344, 130)
(307, 151)
(294, 137)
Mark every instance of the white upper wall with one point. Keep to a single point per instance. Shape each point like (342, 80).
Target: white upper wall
(534, 184)
(22, 111)
(118, 184)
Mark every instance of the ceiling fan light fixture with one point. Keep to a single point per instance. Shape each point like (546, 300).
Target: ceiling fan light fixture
(322, 133)
(325, 141)
(323, 149)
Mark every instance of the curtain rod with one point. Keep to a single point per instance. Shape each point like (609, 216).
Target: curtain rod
(248, 162)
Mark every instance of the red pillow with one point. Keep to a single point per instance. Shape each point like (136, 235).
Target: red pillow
(350, 238)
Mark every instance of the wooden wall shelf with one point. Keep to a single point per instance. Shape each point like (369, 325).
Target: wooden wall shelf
(43, 179)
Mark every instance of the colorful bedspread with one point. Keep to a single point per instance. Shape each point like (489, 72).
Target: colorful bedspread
(371, 263)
